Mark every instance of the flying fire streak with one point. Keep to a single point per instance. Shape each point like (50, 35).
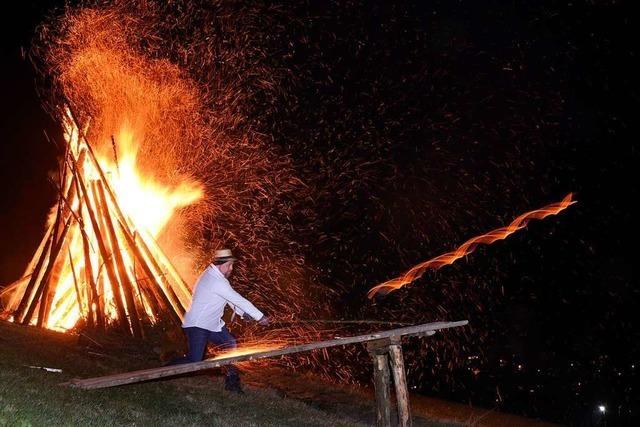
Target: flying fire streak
(469, 246)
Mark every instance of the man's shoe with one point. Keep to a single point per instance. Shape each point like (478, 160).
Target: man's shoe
(234, 389)
(232, 384)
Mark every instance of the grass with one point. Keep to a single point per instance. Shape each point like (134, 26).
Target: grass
(34, 397)
(274, 396)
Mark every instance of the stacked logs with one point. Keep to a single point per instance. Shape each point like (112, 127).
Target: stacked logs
(88, 208)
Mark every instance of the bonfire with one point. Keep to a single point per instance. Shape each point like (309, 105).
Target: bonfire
(99, 262)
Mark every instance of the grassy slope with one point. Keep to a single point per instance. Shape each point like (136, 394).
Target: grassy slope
(34, 397)
(275, 396)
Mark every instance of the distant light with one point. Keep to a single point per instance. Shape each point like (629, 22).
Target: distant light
(602, 409)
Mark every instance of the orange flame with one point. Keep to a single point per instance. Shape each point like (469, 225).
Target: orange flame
(469, 246)
(140, 111)
(148, 204)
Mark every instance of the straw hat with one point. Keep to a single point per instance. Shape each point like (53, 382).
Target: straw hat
(223, 255)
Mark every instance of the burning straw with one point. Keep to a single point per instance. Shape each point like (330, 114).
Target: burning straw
(469, 246)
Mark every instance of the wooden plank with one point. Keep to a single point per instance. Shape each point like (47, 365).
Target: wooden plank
(400, 381)
(168, 371)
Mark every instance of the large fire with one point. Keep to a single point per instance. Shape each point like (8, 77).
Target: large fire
(79, 283)
(140, 122)
(122, 180)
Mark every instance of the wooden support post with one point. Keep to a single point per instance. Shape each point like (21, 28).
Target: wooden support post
(93, 299)
(154, 286)
(77, 289)
(381, 381)
(51, 275)
(118, 261)
(400, 380)
(176, 303)
(26, 297)
(107, 252)
(44, 281)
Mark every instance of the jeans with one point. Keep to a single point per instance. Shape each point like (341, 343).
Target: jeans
(198, 339)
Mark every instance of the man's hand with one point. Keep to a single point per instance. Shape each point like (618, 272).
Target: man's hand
(264, 321)
(246, 317)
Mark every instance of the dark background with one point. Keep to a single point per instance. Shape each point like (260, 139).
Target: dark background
(434, 122)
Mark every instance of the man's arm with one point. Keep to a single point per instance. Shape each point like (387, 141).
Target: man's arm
(238, 302)
(237, 310)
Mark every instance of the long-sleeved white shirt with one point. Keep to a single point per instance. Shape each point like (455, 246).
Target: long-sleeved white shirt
(210, 296)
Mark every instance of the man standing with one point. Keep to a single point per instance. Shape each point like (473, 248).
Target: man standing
(203, 321)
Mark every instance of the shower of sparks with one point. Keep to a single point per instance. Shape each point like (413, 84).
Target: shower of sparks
(469, 246)
(301, 150)
(166, 123)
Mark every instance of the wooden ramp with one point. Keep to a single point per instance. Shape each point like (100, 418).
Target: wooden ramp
(385, 349)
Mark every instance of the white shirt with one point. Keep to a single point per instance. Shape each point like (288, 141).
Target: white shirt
(210, 296)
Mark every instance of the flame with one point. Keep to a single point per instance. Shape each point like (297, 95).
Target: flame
(148, 206)
(136, 114)
(470, 245)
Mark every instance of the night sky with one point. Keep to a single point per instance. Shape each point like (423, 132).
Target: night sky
(425, 124)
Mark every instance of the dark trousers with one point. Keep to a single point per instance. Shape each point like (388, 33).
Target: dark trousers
(198, 339)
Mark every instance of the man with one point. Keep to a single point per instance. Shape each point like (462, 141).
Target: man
(203, 321)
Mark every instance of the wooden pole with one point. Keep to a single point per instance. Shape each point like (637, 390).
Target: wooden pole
(153, 287)
(20, 285)
(176, 303)
(168, 371)
(109, 262)
(56, 235)
(182, 286)
(126, 226)
(381, 382)
(125, 282)
(101, 244)
(94, 310)
(75, 285)
(93, 300)
(26, 297)
(141, 285)
(65, 210)
(400, 380)
(44, 282)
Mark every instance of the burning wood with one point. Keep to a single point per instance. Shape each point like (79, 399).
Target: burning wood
(91, 229)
